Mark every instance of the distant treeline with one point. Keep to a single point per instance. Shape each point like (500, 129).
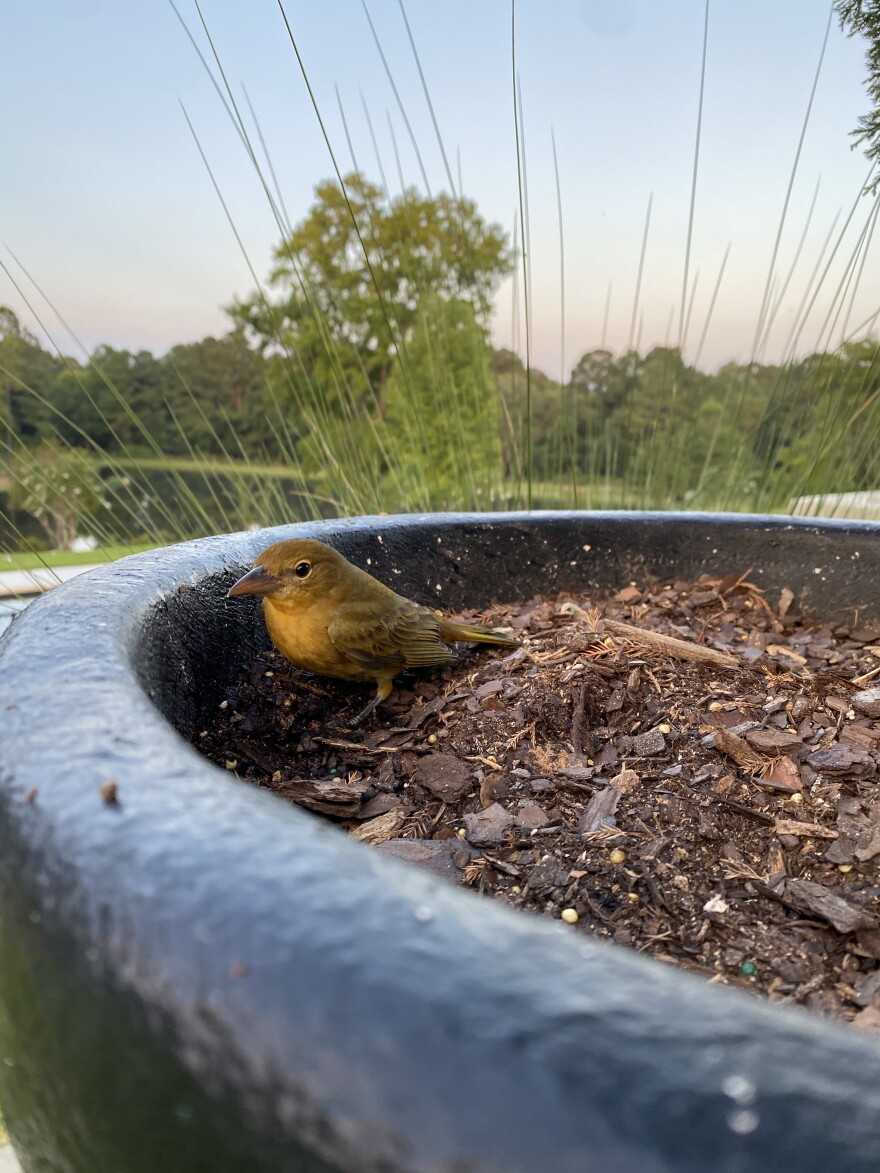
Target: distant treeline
(453, 422)
(360, 378)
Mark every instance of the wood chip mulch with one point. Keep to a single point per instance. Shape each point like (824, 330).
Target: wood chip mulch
(690, 769)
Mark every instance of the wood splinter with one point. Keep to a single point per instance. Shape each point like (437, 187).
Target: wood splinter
(680, 649)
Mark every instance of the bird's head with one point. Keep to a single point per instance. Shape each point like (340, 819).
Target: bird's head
(291, 570)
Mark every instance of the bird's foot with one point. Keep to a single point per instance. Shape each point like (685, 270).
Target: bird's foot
(357, 720)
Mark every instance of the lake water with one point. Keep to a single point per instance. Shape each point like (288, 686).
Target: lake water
(9, 608)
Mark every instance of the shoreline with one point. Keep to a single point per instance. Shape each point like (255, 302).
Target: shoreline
(16, 584)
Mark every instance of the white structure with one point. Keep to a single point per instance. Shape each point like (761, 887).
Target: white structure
(864, 505)
(42, 578)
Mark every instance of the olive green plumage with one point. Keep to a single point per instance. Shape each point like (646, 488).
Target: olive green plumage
(334, 619)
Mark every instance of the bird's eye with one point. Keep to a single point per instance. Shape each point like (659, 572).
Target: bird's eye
(302, 569)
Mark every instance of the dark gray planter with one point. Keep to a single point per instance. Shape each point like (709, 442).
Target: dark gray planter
(204, 978)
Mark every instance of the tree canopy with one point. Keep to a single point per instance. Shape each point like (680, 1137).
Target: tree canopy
(862, 18)
(443, 422)
(364, 380)
(351, 279)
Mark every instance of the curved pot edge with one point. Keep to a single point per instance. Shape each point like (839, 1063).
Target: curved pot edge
(100, 853)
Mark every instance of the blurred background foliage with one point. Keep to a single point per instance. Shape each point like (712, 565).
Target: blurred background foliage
(332, 394)
(359, 377)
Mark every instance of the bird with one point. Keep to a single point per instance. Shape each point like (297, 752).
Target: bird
(328, 616)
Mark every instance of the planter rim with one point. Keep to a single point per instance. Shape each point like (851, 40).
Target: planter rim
(327, 966)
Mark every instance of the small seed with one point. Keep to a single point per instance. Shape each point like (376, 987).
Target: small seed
(617, 856)
(570, 916)
(110, 793)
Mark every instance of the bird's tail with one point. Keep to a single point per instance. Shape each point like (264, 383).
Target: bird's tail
(474, 633)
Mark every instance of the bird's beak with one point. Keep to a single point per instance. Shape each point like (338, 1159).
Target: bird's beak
(255, 582)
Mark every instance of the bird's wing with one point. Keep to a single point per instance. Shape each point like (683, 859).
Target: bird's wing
(407, 637)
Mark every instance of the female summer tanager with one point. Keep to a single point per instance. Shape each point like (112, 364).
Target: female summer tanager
(331, 618)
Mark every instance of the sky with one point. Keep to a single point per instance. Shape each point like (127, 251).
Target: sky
(107, 203)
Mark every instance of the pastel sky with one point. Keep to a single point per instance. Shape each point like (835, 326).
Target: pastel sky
(106, 202)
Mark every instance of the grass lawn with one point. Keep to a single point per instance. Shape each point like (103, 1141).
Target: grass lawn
(28, 560)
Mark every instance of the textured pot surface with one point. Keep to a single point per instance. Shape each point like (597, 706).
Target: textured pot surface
(204, 978)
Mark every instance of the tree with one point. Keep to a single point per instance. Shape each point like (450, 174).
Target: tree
(352, 278)
(862, 17)
(59, 486)
(602, 391)
(27, 375)
(544, 394)
(218, 392)
(442, 423)
(595, 373)
(117, 401)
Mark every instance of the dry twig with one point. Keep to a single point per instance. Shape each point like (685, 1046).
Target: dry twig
(680, 649)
